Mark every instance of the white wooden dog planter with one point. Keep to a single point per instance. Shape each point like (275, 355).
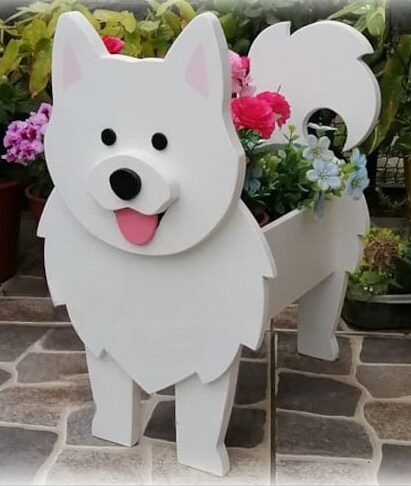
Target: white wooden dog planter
(163, 269)
(318, 66)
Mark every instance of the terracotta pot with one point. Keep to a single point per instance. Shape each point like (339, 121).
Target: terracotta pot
(9, 228)
(36, 205)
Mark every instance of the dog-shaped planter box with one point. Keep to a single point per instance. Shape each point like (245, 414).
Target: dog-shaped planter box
(164, 271)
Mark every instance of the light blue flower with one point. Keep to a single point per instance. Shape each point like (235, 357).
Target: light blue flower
(252, 179)
(326, 174)
(357, 182)
(359, 159)
(318, 148)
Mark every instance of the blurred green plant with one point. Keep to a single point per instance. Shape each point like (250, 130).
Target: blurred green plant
(243, 20)
(385, 267)
(391, 64)
(26, 37)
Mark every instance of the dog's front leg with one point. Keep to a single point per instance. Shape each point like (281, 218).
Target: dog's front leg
(202, 414)
(118, 401)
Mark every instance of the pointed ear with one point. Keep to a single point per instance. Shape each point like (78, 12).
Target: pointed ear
(76, 47)
(199, 56)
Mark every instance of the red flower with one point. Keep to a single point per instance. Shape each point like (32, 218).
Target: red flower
(250, 112)
(113, 44)
(279, 105)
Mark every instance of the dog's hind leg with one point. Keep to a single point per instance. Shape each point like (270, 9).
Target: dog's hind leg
(118, 401)
(318, 316)
(202, 414)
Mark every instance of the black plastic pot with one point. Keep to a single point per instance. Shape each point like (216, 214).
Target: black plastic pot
(382, 313)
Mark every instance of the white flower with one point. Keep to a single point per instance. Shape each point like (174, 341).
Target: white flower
(318, 148)
(323, 128)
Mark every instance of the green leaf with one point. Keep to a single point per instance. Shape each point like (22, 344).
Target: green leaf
(113, 29)
(148, 26)
(391, 86)
(224, 6)
(229, 26)
(375, 22)
(359, 7)
(242, 46)
(40, 72)
(132, 44)
(128, 21)
(173, 21)
(11, 57)
(4, 118)
(165, 6)
(34, 8)
(34, 31)
(147, 49)
(186, 10)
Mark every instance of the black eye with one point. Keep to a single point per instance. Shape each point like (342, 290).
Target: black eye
(159, 141)
(108, 136)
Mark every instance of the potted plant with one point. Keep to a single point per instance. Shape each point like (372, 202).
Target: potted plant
(9, 224)
(379, 293)
(13, 99)
(24, 142)
(309, 201)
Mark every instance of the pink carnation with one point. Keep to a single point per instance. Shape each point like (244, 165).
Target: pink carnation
(254, 114)
(279, 106)
(240, 79)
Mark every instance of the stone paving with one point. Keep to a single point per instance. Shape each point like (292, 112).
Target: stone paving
(346, 422)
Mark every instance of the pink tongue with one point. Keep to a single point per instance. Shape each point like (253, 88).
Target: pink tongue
(137, 228)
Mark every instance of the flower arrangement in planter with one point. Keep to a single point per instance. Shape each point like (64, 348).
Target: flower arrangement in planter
(379, 292)
(281, 178)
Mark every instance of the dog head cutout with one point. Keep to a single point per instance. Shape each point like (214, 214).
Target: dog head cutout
(143, 152)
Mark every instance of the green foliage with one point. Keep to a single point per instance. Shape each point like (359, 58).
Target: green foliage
(385, 267)
(40, 176)
(276, 180)
(401, 281)
(391, 63)
(28, 36)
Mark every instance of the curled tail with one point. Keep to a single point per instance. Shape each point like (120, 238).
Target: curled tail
(319, 66)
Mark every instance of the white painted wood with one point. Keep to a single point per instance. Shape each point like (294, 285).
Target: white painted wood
(118, 401)
(313, 257)
(171, 302)
(155, 304)
(201, 443)
(147, 96)
(319, 66)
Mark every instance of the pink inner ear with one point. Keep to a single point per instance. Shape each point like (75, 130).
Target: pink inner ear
(71, 66)
(196, 73)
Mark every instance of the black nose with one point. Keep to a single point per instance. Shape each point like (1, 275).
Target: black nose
(126, 184)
